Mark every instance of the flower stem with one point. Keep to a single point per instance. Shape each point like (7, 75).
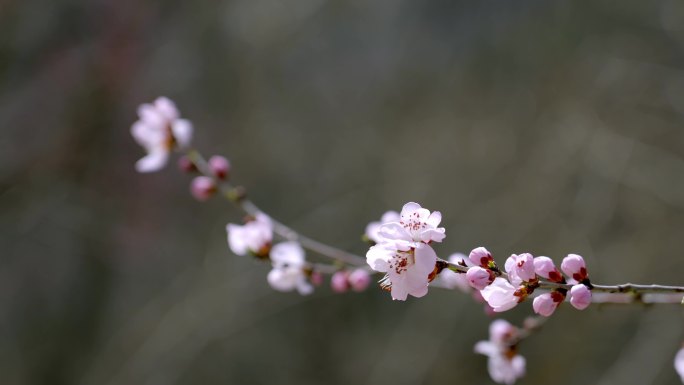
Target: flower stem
(230, 193)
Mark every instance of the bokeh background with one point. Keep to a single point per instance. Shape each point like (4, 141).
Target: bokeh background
(543, 126)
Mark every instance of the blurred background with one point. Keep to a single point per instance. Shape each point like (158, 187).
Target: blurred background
(543, 126)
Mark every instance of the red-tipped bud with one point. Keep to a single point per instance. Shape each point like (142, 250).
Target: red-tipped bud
(220, 166)
(480, 257)
(574, 267)
(202, 188)
(186, 165)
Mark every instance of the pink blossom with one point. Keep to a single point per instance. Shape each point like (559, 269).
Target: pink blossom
(159, 130)
(202, 188)
(580, 296)
(219, 166)
(480, 257)
(373, 228)
(254, 237)
(359, 280)
(574, 267)
(479, 278)
(544, 267)
(504, 365)
(407, 264)
(338, 282)
(416, 224)
(679, 363)
(520, 268)
(500, 295)
(288, 271)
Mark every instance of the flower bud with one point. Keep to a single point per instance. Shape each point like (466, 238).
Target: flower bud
(220, 166)
(580, 296)
(544, 305)
(501, 332)
(202, 188)
(186, 165)
(359, 280)
(338, 282)
(574, 267)
(480, 257)
(316, 278)
(520, 268)
(544, 267)
(479, 278)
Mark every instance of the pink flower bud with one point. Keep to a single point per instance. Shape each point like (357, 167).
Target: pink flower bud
(359, 280)
(544, 305)
(220, 166)
(580, 296)
(186, 165)
(202, 188)
(480, 257)
(479, 278)
(316, 278)
(574, 267)
(520, 268)
(501, 332)
(338, 282)
(544, 267)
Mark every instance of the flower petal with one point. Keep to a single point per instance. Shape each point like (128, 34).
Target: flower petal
(154, 161)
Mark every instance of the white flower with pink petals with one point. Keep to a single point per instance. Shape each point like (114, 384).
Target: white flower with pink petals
(254, 237)
(504, 365)
(407, 264)
(288, 271)
(500, 295)
(159, 130)
(373, 228)
(415, 224)
(679, 363)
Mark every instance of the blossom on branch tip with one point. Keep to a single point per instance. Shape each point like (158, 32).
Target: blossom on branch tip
(545, 268)
(500, 295)
(574, 267)
(580, 296)
(520, 268)
(288, 271)
(373, 228)
(253, 237)
(407, 264)
(159, 130)
(505, 366)
(415, 224)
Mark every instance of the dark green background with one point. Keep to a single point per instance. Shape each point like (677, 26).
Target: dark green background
(541, 126)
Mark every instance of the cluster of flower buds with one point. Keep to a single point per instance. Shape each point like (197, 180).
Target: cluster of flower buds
(525, 273)
(356, 280)
(403, 252)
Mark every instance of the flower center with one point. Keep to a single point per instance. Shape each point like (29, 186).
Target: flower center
(414, 223)
(401, 261)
